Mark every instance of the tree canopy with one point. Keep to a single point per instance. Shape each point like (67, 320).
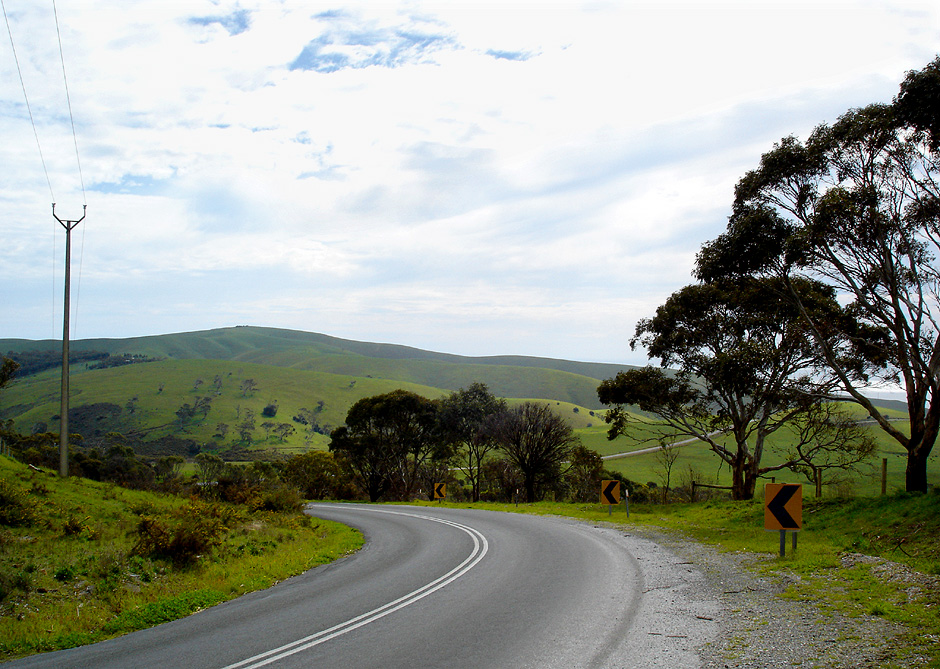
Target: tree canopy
(538, 442)
(463, 417)
(857, 207)
(387, 439)
(745, 367)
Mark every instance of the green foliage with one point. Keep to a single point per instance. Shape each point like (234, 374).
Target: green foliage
(745, 364)
(163, 610)
(538, 443)
(187, 535)
(17, 509)
(318, 475)
(8, 369)
(73, 570)
(855, 206)
(387, 441)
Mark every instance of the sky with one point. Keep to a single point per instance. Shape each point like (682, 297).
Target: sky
(526, 178)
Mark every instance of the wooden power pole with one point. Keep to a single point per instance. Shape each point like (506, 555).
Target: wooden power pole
(64, 410)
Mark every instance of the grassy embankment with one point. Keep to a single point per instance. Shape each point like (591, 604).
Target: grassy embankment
(70, 573)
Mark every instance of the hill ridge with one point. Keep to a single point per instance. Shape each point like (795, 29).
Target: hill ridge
(242, 341)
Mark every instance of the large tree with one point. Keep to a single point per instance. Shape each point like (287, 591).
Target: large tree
(463, 418)
(744, 367)
(388, 439)
(538, 442)
(857, 206)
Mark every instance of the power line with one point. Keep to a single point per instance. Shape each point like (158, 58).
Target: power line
(19, 71)
(78, 160)
(68, 99)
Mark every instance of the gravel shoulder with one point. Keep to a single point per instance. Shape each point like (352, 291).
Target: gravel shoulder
(711, 609)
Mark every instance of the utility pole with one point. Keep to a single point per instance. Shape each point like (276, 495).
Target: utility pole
(64, 411)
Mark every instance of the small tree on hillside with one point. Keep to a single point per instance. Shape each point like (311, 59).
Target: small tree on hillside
(666, 458)
(463, 419)
(8, 369)
(538, 442)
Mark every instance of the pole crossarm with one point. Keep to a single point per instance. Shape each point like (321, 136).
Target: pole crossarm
(67, 224)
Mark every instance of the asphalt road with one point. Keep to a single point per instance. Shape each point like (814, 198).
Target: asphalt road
(431, 588)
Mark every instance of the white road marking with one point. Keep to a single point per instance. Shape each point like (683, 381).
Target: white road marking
(480, 548)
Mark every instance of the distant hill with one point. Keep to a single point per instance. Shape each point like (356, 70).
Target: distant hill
(507, 376)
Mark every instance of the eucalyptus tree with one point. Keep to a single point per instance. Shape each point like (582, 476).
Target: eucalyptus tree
(388, 439)
(857, 207)
(743, 365)
(536, 441)
(464, 416)
(8, 368)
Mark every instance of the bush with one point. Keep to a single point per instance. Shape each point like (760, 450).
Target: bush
(191, 533)
(17, 509)
(282, 498)
(10, 581)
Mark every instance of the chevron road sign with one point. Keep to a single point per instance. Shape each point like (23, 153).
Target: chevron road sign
(440, 490)
(610, 492)
(783, 506)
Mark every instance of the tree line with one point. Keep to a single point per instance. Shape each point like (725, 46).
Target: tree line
(393, 446)
(399, 444)
(825, 283)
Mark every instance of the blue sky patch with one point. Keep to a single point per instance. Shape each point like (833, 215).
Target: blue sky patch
(235, 23)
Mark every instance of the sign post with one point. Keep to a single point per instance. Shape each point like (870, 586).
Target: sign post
(783, 510)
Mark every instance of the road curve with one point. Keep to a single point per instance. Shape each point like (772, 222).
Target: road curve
(432, 587)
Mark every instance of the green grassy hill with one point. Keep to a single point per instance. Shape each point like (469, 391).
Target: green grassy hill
(143, 399)
(507, 376)
(291, 370)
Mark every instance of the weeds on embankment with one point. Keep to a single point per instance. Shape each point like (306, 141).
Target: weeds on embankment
(82, 561)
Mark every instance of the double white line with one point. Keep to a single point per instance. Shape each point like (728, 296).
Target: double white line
(480, 548)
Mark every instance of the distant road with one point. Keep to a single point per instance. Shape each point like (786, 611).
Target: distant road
(432, 587)
(653, 449)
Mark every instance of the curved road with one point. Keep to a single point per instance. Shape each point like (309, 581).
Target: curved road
(430, 588)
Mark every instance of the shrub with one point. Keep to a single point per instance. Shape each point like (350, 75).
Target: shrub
(74, 526)
(66, 573)
(16, 507)
(10, 581)
(282, 498)
(191, 533)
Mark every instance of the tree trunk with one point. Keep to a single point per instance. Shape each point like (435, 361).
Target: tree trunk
(530, 489)
(743, 480)
(916, 473)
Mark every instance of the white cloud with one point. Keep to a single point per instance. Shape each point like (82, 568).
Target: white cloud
(521, 177)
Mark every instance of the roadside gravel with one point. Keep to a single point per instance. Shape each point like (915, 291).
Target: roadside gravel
(714, 610)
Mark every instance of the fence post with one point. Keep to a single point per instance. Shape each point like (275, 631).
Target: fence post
(884, 476)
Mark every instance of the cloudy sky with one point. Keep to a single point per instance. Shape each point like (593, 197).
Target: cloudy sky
(474, 178)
